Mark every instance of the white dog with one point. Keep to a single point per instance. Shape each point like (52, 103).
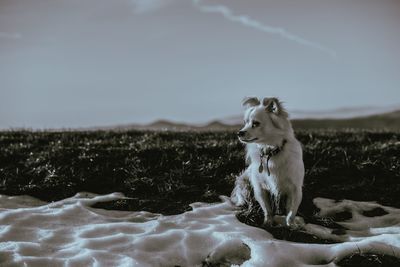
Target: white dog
(274, 157)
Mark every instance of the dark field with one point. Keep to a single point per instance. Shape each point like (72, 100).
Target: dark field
(166, 171)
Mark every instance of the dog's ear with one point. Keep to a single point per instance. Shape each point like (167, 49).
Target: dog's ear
(273, 105)
(250, 102)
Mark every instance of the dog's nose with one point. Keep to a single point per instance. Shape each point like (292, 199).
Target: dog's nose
(241, 133)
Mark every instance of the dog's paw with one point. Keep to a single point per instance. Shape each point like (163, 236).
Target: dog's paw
(294, 222)
(268, 221)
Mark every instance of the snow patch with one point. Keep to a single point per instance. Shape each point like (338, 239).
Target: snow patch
(71, 233)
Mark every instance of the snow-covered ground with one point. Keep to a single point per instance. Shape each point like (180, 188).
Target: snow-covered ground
(71, 233)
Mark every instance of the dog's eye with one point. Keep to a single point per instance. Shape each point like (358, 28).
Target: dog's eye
(255, 124)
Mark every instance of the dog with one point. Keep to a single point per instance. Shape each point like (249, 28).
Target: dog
(274, 157)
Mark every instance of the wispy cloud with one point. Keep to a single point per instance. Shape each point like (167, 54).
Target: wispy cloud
(144, 6)
(10, 35)
(247, 21)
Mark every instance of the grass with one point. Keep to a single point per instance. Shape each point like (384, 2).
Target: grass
(166, 171)
(183, 167)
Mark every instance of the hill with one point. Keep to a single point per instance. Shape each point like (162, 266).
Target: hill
(385, 121)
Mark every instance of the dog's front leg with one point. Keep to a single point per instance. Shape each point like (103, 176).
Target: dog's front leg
(241, 192)
(292, 204)
(262, 198)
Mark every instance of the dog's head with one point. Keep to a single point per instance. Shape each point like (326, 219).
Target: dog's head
(265, 122)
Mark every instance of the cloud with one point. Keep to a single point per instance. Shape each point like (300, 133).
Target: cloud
(8, 35)
(145, 6)
(228, 14)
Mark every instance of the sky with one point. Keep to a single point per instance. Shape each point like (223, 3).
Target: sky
(82, 63)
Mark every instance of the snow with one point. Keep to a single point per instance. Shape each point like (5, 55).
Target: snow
(71, 233)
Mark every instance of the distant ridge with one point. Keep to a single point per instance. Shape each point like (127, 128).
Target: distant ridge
(165, 125)
(385, 121)
(335, 114)
(160, 124)
(384, 118)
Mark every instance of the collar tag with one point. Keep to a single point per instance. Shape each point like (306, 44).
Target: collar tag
(270, 153)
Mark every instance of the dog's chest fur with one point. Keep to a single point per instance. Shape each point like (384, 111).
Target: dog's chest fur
(283, 168)
(275, 181)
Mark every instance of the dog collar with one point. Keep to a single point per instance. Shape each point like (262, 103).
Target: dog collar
(270, 152)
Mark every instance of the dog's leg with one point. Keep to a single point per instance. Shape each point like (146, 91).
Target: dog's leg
(262, 198)
(292, 204)
(241, 192)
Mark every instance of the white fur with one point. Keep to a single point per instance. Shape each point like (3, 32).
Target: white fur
(286, 168)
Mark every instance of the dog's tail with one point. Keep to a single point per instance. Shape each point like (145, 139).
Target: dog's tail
(241, 194)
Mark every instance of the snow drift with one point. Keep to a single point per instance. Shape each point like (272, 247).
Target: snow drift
(71, 233)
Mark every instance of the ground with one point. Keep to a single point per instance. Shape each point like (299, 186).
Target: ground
(164, 172)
